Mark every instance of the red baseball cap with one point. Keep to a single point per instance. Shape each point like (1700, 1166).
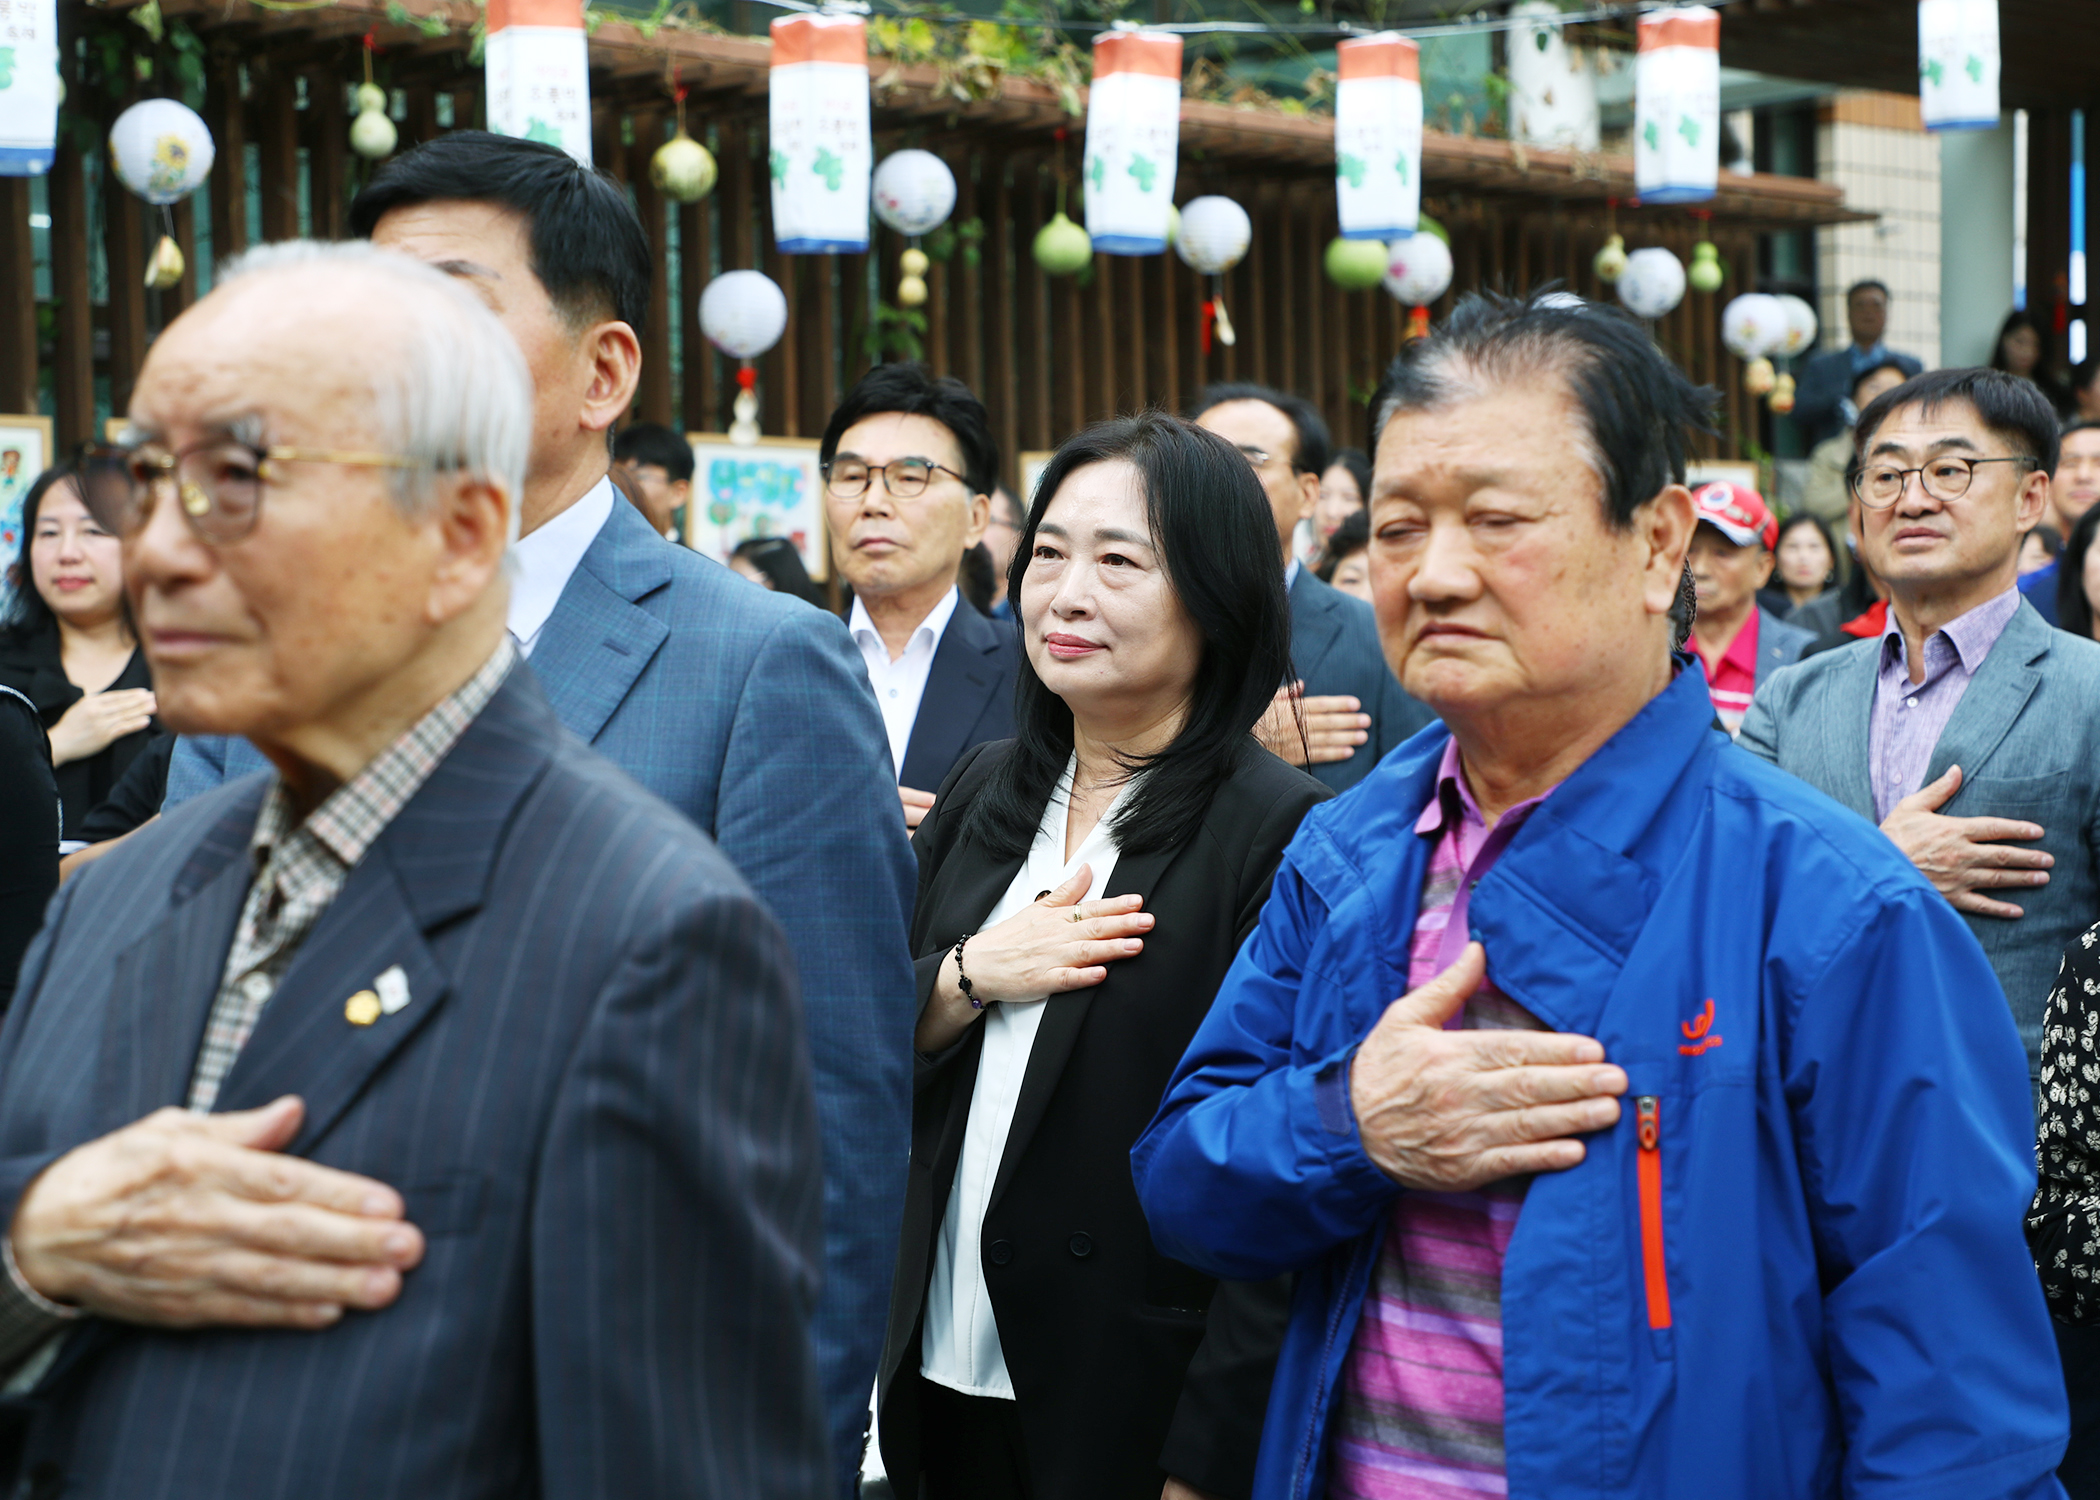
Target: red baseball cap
(1737, 513)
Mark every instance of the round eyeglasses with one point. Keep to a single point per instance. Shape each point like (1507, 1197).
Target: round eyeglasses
(849, 478)
(1881, 485)
(219, 483)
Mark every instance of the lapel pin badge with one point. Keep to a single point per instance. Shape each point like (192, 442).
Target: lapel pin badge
(392, 990)
(361, 1009)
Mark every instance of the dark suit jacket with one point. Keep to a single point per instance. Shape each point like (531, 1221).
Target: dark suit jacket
(1335, 651)
(1098, 1328)
(31, 664)
(969, 696)
(1826, 380)
(751, 713)
(597, 1105)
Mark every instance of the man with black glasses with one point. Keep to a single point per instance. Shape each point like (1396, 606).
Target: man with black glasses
(1966, 727)
(909, 469)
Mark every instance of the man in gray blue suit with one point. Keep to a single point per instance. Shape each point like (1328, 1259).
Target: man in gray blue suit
(1353, 707)
(429, 1114)
(747, 711)
(1968, 729)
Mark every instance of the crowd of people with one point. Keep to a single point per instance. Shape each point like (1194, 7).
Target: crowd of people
(1475, 968)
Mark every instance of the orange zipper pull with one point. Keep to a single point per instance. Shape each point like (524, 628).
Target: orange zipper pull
(1647, 1115)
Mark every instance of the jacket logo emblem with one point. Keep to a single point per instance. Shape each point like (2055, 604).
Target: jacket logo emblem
(1699, 1032)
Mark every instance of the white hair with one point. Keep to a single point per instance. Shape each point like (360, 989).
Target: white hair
(455, 395)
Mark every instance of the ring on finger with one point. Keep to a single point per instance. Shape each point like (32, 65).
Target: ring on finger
(1077, 917)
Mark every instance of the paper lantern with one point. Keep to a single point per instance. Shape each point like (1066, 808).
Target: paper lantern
(914, 191)
(1378, 136)
(1800, 327)
(29, 102)
(1553, 91)
(823, 151)
(1652, 283)
(1958, 63)
(1133, 140)
(743, 313)
(160, 150)
(1418, 269)
(1215, 233)
(538, 70)
(1753, 325)
(1677, 105)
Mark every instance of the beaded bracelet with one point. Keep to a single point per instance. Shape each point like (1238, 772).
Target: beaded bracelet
(962, 980)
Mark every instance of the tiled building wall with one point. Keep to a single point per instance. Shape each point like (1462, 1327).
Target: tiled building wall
(1876, 148)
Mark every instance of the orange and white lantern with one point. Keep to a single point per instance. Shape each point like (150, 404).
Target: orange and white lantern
(538, 69)
(1133, 140)
(1378, 136)
(1677, 105)
(822, 149)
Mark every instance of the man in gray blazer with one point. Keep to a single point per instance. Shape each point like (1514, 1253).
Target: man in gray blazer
(1353, 707)
(429, 1114)
(1968, 729)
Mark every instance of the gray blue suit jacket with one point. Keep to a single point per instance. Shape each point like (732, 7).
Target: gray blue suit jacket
(596, 1104)
(2027, 738)
(750, 712)
(1335, 652)
(1778, 644)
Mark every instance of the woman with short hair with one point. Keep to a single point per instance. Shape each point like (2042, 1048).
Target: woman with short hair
(1083, 888)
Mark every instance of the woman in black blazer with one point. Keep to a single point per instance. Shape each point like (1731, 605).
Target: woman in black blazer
(1082, 890)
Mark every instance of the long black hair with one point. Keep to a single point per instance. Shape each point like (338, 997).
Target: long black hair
(2074, 611)
(1216, 537)
(776, 557)
(27, 613)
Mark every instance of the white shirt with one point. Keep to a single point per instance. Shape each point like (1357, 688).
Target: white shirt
(542, 561)
(900, 684)
(960, 1346)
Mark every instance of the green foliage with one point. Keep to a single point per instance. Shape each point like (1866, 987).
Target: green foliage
(894, 333)
(953, 241)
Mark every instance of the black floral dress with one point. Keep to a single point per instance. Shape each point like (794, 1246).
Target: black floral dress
(2063, 1226)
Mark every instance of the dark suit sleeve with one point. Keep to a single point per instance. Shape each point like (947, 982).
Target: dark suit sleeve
(29, 828)
(137, 796)
(1822, 388)
(676, 1244)
(1216, 1432)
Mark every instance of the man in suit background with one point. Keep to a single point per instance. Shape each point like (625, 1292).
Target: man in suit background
(1739, 643)
(1826, 380)
(1965, 727)
(1353, 707)
(499, 1172)
(909, 468)
(2073, 489)
(747, 711)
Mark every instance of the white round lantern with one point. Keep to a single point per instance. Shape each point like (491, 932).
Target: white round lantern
(1418, 269)
(160, 150)
(1800, 326)
(743, 313)
(1753, 325)
(1215, 233)
(1652, 283)
(914, 191)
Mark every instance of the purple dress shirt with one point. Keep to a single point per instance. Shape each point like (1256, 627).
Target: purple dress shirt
(1908, 718)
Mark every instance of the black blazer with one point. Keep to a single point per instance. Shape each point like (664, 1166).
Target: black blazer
(1336, 652)
(969, 696)
(1119, 1374)
(31, 664)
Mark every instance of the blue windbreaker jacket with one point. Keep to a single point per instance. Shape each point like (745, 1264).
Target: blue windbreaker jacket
(1812, 1280)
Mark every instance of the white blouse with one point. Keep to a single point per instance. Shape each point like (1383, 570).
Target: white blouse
(960, 1346)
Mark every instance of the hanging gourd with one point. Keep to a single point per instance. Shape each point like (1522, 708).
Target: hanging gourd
(914, 194)
(743, 314)
(1133, 140)
(822, 145)
(1677, 105)
(1215, 234)
(538, 72)
(1355, 265)
(682, 169)
(1652, 283)
(1378, 139)
(1958, 64)
(372, 134)
(1706, 273)
(1610, 262)
(162, 151)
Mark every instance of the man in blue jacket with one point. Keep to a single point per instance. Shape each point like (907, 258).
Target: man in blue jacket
(746, 710)
(1686, 1162)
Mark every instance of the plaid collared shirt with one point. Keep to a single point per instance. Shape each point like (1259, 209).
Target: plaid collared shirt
(299, 869)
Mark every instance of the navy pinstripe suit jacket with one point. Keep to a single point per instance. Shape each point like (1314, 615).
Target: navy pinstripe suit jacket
(596, 1103)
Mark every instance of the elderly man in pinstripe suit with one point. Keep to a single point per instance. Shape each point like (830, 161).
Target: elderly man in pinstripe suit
(498, 1173)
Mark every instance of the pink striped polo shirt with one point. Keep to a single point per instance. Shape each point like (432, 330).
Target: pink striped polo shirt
(1419, 1412)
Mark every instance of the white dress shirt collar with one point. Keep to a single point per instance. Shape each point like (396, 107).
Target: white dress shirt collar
(542, 561)
(901, 684)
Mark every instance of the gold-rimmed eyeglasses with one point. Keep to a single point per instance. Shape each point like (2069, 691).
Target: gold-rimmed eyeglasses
(1881, 485)
(218, 483)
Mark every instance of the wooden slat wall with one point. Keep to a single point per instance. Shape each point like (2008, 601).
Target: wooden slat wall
(1047, 354)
